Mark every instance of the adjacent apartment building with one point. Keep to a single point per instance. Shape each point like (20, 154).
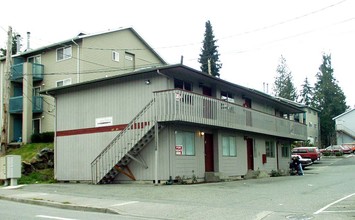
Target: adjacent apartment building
(82, 58)
(168, 123)
(345, 128)
(309, 117)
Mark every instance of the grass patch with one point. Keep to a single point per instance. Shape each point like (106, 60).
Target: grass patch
(28, 151)
(39, 176)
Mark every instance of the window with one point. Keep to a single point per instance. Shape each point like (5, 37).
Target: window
(36, 91)
(182, 85)
(63, 82)
(285, 151)
(229, 146)
(186, 141)
(270, 148)
(115, 56)
(64, 53)
(36, 126)
(34, 59)
(227, 96)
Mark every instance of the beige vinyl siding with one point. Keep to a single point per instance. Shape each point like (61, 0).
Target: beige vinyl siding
(99, 49)
(75, 154)
(233, 166)
(121, 101)
(148, 156)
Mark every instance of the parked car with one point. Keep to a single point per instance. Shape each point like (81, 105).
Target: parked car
(347, 150)
(305, 162)
(332, 149)
(312, 153)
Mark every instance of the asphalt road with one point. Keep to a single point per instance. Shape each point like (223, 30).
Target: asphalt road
(326, 191)
(18, 211)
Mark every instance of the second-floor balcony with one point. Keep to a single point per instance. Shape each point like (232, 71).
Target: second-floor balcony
(17, 72)
(179, 105)
(16, 104)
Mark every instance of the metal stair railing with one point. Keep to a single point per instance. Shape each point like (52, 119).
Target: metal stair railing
(123, 143)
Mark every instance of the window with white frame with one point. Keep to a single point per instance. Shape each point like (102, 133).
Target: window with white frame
(227, 96)
(64, 53)
(116, 56)
(185, 140)
(229, 147)
(270, 148)
(63, 82)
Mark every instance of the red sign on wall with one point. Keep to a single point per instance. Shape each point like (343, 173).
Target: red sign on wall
(178, 150)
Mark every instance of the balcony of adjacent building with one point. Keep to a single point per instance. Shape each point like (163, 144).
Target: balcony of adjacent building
(19, 69)
(16, 104)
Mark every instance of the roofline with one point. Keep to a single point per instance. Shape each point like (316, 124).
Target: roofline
(54, 91)
(62, 43)
(300, 105)
(346, 112)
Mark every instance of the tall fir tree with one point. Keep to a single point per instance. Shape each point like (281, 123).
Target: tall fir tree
(283, 85)
(329, 99)
(306, 93)
(209, 54)
(14, 46)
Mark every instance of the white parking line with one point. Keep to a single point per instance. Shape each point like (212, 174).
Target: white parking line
(124, 203)
(333, 203)
(53, 217)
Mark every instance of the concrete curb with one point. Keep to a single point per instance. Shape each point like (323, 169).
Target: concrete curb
(59, 205)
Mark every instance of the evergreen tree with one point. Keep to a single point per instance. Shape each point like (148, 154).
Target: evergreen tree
(306, 93)
(14, 46)
(209, 53)
(283, 85)
(329, 99)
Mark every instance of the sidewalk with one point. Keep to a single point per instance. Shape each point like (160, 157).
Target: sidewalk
(195, 201)
(114, 199)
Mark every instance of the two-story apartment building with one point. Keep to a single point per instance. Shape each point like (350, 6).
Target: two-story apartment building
(309, 117)
(162, 123)
(82, 58)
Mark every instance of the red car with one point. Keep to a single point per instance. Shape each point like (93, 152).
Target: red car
(336, 148)
(312, 153)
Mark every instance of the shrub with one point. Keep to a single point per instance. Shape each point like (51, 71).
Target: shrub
(326, 153)
(35, 138)
(338, 154)
(45, 137)
(275, 173)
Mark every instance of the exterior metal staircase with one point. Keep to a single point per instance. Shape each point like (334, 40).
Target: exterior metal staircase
(125, 147)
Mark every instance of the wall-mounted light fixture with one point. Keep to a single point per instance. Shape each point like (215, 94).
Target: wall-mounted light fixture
(201, 133)
(147, 81)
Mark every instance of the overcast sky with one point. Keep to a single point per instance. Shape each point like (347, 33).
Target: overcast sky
(251, 34)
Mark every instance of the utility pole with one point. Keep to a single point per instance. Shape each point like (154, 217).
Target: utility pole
(6, 93)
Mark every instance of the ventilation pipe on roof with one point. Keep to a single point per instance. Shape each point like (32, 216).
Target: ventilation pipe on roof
(18, 43)
(28, 40)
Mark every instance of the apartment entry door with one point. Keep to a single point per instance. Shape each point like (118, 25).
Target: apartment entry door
(209, 163)
(250, 154)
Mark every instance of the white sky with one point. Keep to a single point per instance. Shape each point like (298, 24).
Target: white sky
(251, 34)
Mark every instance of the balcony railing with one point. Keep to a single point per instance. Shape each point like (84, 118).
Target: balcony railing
(16, 104)
(17, 72)
(178, 105)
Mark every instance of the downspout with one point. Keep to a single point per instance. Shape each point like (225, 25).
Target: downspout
(55, 135)
(77, 61)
